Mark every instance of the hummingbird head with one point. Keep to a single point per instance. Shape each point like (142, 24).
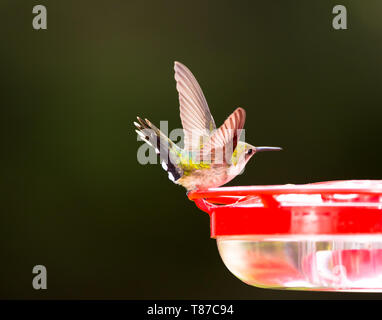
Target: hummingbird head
(244, 152)
(249, 152)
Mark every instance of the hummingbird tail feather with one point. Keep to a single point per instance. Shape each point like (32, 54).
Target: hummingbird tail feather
(167, 150)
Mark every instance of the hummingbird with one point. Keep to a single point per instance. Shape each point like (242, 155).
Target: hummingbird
(210, 157)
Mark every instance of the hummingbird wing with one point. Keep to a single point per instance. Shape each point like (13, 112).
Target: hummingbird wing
(197, 121)
(223, 142)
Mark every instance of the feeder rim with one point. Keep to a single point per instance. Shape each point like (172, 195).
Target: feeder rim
(284, 189)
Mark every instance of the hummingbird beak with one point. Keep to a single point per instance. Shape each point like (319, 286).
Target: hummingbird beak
(261, 149)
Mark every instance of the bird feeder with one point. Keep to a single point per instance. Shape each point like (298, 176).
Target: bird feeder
(323, 236)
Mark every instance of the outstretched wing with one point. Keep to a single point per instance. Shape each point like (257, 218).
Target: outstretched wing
(223, 142)
(196, 117)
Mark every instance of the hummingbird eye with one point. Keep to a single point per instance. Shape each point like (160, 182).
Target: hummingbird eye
(249, 152)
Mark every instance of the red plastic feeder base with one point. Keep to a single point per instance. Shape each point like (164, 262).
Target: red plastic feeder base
(320, 236)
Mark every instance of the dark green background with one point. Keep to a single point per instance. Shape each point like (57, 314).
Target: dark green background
(73, 196)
